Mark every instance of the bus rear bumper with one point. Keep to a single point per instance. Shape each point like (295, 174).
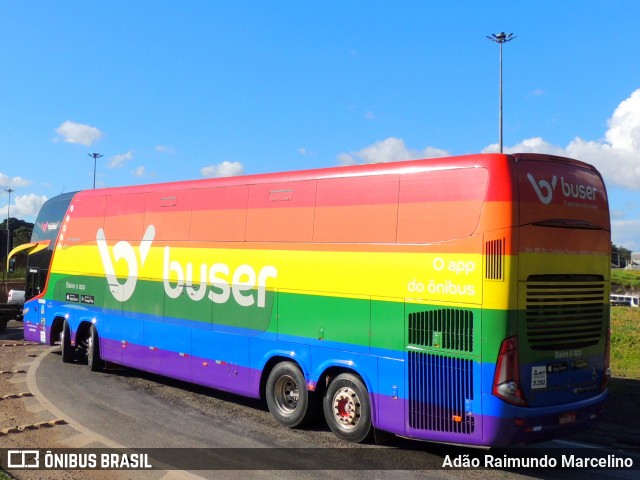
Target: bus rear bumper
(521, 425)
(35, 332)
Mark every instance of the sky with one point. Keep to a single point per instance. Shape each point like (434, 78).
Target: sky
(184, 89)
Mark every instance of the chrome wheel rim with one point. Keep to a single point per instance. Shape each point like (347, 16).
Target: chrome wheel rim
(90, 349)
(286, 394)
(346, 408)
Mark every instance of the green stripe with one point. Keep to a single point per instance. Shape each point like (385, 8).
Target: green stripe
(381, 323)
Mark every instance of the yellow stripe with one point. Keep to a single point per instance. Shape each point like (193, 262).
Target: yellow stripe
(413, 277)
(551, 263)
(418, 276)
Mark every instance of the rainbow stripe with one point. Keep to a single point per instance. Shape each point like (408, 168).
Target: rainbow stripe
(210, 281)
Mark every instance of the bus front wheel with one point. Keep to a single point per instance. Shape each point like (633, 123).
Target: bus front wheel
(347, 408)
(93, 350)
(287, 396)
(68, 351)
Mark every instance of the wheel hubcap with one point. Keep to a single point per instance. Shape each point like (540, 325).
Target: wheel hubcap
(90, 348)
(286, 394)
(346, 408)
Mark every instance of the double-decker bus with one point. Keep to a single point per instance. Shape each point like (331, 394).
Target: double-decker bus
(461, 299)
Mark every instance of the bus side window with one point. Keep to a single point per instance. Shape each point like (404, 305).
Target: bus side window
(281, 212)
(441, 205)
(219, 214)
(123, 218)
(357, 210)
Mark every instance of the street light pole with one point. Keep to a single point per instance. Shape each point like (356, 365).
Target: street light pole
(500, 38)
(9, 191)
(95, 157)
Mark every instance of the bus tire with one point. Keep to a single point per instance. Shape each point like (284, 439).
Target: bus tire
(347, 408)
(68, 352)
(287, 396)
(93, 350)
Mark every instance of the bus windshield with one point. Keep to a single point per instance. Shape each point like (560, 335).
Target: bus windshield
(50, 217)
(45, 229)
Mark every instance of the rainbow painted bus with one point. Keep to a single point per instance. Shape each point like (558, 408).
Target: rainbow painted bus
(461, 300)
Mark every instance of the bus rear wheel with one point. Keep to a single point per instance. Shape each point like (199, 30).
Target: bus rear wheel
(68, 351)
(287, 396)
(347, 408)
(93, 350)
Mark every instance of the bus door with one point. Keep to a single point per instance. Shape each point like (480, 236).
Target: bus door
(32, 287)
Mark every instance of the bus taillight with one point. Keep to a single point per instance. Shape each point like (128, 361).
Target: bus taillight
(506, 380)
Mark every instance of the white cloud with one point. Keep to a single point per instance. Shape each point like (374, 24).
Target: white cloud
(141, 172)
(617, 157)
(72, 132)
(388, 150)
(530, 145)
(224, 169)
(624, 125)
(12, 182)
(306, 152)
(120, 160)
(625, 233)
(616, 214)
(618, 166)
(164, 149)
(25, 205)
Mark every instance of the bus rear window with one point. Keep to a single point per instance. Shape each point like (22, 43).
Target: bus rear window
(562, 194)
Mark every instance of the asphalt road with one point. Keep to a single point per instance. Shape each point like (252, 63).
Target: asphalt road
(140, 410)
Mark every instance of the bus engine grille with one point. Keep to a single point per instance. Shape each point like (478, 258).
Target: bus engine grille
(440, 393)
(443, 328)
(565, 311)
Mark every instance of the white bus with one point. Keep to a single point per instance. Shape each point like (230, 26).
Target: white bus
(625, 300)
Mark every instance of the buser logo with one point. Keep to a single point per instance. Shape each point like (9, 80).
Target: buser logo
(218, 281)
(544, 190)
(124, 251)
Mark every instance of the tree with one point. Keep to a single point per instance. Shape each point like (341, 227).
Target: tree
(20, 230)
(22, 235)
(620, 256)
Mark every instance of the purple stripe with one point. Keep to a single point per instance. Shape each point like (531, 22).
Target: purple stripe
(32, 332)
(227, 376)
(488, 430)
(389, 413)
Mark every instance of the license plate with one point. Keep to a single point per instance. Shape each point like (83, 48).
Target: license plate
(566, 418)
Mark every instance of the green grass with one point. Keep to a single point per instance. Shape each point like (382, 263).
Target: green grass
(625, 342)
(625, 328)
(625, 278)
